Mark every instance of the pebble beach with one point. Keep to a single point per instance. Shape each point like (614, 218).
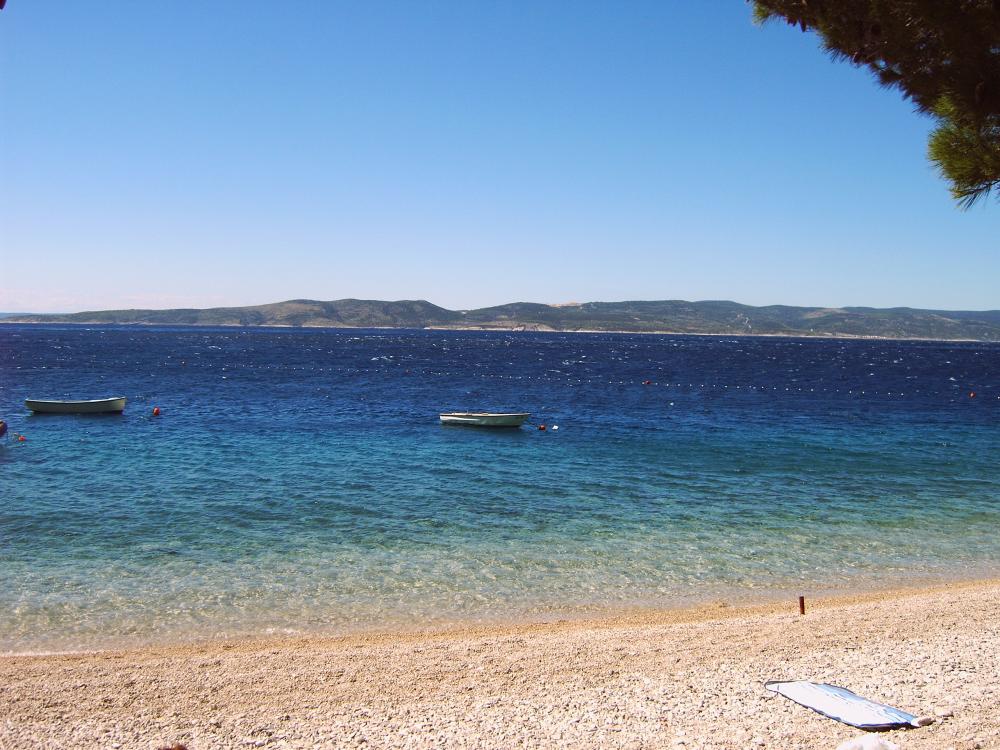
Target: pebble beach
(689, 678)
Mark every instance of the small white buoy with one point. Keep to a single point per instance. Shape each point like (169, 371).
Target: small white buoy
(555, 427)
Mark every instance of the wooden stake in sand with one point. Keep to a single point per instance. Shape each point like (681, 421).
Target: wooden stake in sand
(802, 605)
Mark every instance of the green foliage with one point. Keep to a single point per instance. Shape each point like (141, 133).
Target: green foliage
(944, 55)
(968, 156)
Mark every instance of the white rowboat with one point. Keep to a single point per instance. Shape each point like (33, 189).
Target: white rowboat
(93, 406)
(485, 419)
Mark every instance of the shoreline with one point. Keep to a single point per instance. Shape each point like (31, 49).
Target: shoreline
(512, 329)
(716, 605)
(685, 678)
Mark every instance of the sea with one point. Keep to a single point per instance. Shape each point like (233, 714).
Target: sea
(298, 481)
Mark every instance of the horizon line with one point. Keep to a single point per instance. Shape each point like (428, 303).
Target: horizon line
(503, 304)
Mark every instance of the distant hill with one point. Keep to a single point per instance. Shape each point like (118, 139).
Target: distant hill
(673, 316)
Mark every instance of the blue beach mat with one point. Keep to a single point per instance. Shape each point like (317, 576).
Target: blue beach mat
(843, 705)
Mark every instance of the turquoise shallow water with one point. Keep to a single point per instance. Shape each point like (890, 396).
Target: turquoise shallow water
(298, 480)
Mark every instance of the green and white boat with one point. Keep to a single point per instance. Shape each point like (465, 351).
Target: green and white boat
(485, 418)
(115, 404)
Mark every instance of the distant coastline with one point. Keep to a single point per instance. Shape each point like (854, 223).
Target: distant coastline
(669, 317)
(485, 329)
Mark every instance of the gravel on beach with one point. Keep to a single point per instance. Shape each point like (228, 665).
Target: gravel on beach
(683, 680)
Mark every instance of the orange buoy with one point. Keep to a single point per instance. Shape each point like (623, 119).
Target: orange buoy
(972, 394)
(21, 438)
(541, 427)
(156, 411)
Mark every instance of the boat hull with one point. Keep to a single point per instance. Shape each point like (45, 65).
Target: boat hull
(92, 406)
(484, 419)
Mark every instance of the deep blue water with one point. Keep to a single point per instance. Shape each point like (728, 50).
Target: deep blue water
(298, 480)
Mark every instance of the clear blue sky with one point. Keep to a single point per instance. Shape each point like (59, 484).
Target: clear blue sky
(470, 153)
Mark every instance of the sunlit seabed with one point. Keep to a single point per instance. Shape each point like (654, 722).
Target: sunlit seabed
(298, 481)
